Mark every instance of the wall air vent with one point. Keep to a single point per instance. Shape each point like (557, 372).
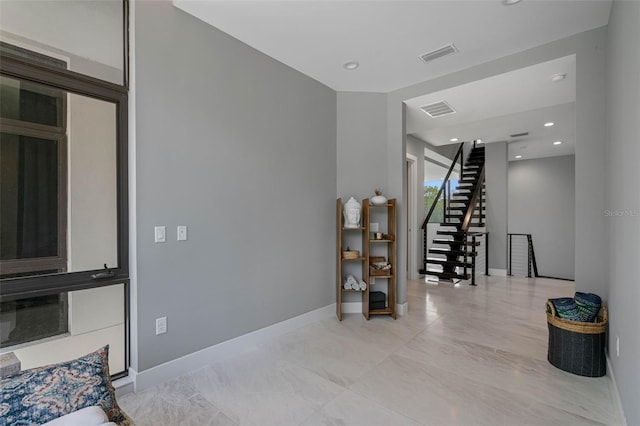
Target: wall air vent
(439, 53)
(438, 109)
(519, 135)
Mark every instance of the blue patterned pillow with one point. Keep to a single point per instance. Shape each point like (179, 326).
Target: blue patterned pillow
(42, 394)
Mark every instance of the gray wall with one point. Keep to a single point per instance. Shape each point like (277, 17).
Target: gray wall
(496, 177)
(590, 131)
(622, 209)
(541, 203)
(242, 150)
(361, 151)
(361, 145)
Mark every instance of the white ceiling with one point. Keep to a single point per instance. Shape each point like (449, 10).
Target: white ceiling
(494, 108)
(386, 37)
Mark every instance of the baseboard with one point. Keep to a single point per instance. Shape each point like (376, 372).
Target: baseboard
(498, 272)
(402, 308)
(617, 402)
(225, 350)
(125, 385)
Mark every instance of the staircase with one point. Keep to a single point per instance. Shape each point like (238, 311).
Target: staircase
(454, 251)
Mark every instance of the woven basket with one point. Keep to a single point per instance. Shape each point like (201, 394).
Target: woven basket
(578, 347)
(351, 254)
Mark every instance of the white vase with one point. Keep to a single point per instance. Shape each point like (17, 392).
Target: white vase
(378, 200)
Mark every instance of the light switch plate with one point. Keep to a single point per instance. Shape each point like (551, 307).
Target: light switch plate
(160, 234)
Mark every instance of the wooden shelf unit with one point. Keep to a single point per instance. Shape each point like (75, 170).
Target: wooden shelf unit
(367, 242)
(388, 210)
(341, 230)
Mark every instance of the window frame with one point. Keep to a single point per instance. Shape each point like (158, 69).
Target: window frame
(26, 69)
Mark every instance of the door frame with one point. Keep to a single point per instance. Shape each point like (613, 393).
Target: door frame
(412, 224)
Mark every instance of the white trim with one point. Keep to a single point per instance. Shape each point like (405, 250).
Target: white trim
(613, 387)
(412, 224)
(498, 272)
(132, 172)
(225, 350)
(125, 385)
(352, 307)
(402, 308)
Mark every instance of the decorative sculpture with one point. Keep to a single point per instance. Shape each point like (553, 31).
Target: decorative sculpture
(351, 212)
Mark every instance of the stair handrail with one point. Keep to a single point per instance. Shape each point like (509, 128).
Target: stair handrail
(444, 183)
(477, 193)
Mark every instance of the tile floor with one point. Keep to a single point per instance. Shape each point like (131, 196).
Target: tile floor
(461, 356)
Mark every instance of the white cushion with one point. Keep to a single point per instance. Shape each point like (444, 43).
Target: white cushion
(89, 416)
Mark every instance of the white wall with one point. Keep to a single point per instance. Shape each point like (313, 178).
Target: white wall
(88, 32)
(92, 225)
(541, 203)
(622, 208)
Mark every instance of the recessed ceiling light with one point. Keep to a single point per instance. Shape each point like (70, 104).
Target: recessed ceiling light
(558, 77)
(351, 65)
(549, 124)
(557, 142)
(518, 156)
(453, 140)
(510, 2)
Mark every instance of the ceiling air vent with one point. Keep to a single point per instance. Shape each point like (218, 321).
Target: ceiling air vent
(519, 135)
(438, 109)
(438, 53)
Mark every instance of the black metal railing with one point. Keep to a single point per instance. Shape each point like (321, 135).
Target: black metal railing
(444, 199)
(516, 254)
(474, 253)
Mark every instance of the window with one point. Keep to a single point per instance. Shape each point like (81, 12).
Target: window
(63, 175)
(33, 179)
(434, 174)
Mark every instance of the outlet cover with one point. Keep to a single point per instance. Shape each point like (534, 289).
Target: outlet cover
(182, 233)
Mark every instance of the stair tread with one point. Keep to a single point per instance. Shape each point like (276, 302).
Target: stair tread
(436, 250)
(445, 274)
(436, 261)
(446, 241)
(454, 243)
(440, 232)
